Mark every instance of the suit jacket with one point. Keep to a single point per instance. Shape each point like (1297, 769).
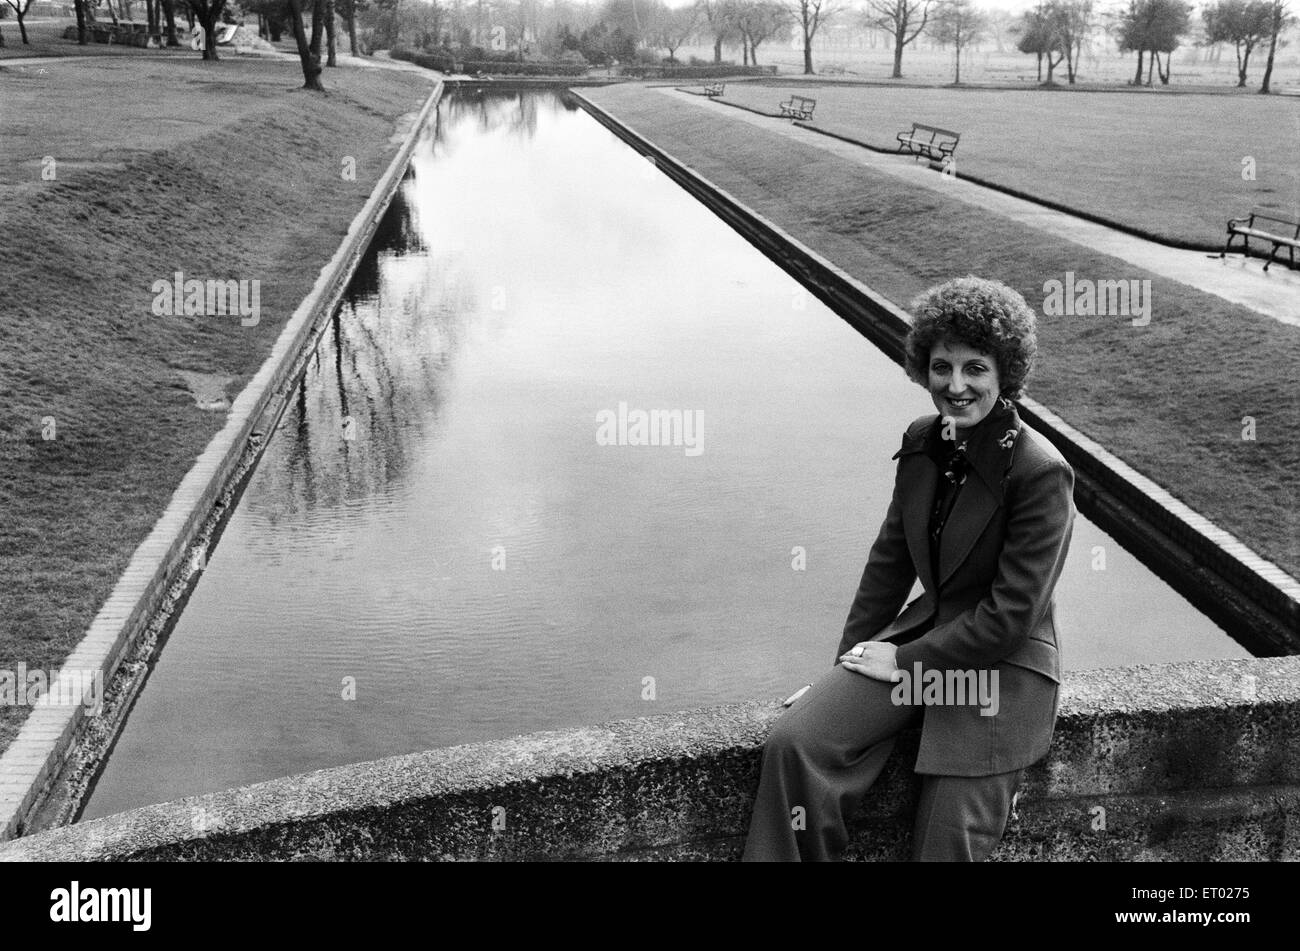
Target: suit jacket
(991, 606)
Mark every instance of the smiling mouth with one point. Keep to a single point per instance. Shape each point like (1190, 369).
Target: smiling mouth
(960, 404)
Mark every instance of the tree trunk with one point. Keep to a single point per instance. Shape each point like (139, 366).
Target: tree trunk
(81, 22)
(352, 31)
(957, 76)
(1272, 47)
(208, 20)
(753, 54)
(717, 50)
(310, 64)
(22, 27)
(807, 54)
(330, 58)
(1164, 69)
(1137, 80)
(169, 14)
(1242, 63)
(898, 55)
(1040, 67)
(317, 28)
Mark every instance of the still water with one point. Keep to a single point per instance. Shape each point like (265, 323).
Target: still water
(437, 548)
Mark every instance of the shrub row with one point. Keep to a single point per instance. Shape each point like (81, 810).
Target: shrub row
(438, 61)
(696, 72)
(446, 64)
(525, 69)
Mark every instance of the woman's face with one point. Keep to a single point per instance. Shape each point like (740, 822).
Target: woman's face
(963, 382)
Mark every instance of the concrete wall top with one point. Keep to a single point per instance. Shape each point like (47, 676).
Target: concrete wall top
(680, 784)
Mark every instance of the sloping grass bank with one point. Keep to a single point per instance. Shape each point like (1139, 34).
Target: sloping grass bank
(1168, 397)
(223, 172)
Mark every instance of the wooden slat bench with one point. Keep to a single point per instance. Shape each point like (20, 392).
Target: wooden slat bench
(714, 89)
(1280, 230)
(927, 141)
(799, 107)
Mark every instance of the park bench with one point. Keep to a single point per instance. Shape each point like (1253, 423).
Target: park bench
(714, 89)
(799, 107)
(929, 142)
(1282, 231)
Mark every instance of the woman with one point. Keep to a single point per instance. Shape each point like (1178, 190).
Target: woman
(982, 512)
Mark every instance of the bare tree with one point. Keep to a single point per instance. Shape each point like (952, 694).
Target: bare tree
(1280, 18)
(719, 15)
(960, 23)
(760, 20)
(809, 15)
(671, 27)
(1074, 23)
(903, 19)
(20, 7)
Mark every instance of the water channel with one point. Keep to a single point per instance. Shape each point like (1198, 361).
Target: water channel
(436, 548)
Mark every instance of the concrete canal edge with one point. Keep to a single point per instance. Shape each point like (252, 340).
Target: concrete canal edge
(1193, 761)
(167, 561)
(1252, 598)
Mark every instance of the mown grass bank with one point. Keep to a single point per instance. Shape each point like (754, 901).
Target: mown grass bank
(1169, 397)
(225, 171)
(1168, 164)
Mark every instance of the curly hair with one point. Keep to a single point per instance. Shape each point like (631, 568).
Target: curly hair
(984, 315)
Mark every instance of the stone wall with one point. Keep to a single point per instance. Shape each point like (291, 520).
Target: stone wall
(1186, 761)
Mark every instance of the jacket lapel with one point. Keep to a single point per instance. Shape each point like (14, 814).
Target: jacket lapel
(991, 452)
(920, 476)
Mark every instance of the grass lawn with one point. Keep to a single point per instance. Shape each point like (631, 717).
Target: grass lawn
(164, 163)
(1168, 398)
(1170, 165)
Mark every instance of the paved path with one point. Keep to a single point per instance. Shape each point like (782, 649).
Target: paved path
(1236, 279)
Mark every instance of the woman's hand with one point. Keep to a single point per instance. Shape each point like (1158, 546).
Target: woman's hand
(874, 659)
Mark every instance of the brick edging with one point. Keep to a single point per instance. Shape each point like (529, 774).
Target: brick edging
(32, 762)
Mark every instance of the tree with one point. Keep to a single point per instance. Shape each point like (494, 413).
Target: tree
(80, 7)
(348, 9)
(671, 27)
(1038, 36)
(169, 11)
(1279, 19)
(809, 15)
(20, 7)
(1155, 27)
(900, 19)
(1243, 23)
(310, 64)
(760, 20)
(1073, 22)
(720, 17)
(207, 13)
(959, 22)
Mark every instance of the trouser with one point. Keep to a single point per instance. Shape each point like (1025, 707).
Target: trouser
(826, 751)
